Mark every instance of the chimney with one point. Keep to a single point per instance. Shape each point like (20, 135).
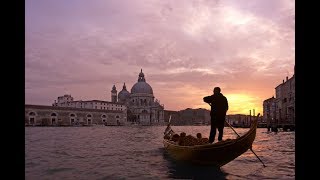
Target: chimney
(287, 78)
(283, 81)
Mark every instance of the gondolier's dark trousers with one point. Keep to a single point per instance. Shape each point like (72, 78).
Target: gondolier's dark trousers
(214, 126)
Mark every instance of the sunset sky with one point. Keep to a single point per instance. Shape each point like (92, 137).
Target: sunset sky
(185, 48)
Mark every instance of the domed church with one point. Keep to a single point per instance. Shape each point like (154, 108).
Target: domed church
(141, 104)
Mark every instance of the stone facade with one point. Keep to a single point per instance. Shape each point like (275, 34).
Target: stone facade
(138, 106)
(39, 115)
(280, 111)
(67, 101)
(142, 106)
(269, 111)
(285, 101)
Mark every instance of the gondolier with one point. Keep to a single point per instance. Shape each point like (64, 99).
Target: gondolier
(219, 108)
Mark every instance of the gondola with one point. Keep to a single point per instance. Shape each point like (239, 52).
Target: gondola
(216, 154)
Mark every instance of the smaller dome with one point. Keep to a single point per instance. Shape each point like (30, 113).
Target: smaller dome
(123, 94)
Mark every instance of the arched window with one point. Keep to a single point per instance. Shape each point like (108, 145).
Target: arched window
(104, 119)
(118, 121)
(72, 119)
(32, 118)
(53, 119)
(89, 120)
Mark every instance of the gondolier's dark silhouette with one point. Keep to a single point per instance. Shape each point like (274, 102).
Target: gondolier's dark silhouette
(219, 107)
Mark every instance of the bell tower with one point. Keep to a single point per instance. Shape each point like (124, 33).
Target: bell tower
(114, 94)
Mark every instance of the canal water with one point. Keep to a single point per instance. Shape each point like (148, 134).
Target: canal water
(136, 152)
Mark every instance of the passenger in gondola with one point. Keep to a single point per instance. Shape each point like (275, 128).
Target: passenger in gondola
(175, 138)
(202, 140)
(187, 140)
(182, 139)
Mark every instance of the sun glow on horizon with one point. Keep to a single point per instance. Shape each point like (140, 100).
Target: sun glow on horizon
(243, 103)
(239, 104)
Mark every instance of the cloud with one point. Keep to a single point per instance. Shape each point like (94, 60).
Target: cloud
(183, 47)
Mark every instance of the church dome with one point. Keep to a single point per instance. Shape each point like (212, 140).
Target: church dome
(123, 94)
(141, 86)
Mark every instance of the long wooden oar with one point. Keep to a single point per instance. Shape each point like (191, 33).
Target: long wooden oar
(251, 146)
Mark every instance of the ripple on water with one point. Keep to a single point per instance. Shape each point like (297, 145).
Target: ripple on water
(51, 171)
(138, 153)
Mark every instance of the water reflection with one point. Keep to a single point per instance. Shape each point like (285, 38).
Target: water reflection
(136, 153)
(181, 170)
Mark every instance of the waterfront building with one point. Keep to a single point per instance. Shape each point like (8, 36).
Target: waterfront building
(280, 111)
(67, 101)
(138, 106)
(285, 101)
(39, 115)
(269, 111)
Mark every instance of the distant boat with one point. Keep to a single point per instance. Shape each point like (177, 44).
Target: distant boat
(216, 154)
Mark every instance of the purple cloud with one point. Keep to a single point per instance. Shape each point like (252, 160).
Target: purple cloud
(84, 48)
